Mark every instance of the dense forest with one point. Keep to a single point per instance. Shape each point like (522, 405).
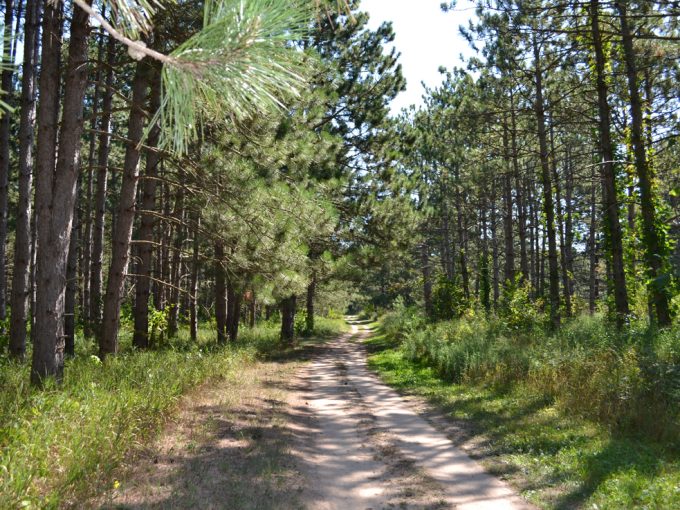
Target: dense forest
(175, 175)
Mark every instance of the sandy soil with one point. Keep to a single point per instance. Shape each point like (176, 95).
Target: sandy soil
(370, 449)
(322, 435)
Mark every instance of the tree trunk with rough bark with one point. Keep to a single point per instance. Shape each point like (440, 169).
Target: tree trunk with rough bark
(120, 250)
(548, 205)
(6, 78)
(56, 188)
(71, 290)
(220, 294)
(193, 299)
(311, 291)
(140, 338)
(614, 235)
(22, 244)
(288, 307)
(99, 220)
(509, 273)
(652, 234)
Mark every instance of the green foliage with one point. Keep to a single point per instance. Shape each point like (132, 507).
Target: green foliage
(519, 311)
(239, 64)
(158, 322)
(301, 324)
(625, 380)
(448, 299)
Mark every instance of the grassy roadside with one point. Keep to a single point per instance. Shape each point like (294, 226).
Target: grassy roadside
(62, 444)
(555, 460)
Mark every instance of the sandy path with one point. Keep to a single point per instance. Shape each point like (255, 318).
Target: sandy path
(369, 449)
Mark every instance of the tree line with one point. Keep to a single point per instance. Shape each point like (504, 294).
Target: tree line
(168, 163)
(548, 167)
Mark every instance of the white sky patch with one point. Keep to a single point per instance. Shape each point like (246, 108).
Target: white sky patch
(426, 37)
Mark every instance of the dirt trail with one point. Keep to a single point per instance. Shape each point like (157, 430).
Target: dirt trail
(322, 435)
(371, 450)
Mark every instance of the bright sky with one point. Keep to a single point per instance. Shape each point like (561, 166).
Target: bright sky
(425, 36)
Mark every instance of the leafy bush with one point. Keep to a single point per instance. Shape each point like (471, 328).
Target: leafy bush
(448, 299)
(517, 309)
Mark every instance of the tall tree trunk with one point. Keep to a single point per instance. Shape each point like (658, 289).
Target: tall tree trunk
(560, 224)
(252, 306)
(220, 294)
(494, 246)
(311, 291)
(176, 271)
(569, 225)
(427, 278)
(140, 338)
(484, 283)
(652, 234)
(6, 83)
(592, 249)
(521, 210)
(533, 267)
(56, 189)
(120, 251)
(193, 303)
(287, 307)
(234, 298)
(99, 220)
(22, 245)
(71, 289)
(91, 161)
(548, 206)
(607, 173)
(509, 274)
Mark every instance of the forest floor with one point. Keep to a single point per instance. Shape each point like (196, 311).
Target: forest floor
(326, 434)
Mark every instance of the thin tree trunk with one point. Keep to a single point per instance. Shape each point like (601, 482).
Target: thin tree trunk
(91, 159)
(220, 294)
(521, 210)
(569, 225)
(71, 290)
(548, 206)
(140, 337)
(607, 173)
(193, 303)
(652, 235)
(99, 220)
(427, 278)
(22, 245)
(120, 251)
(311, 291)
(7, 86)
(56, 189)
(592, 249)
(176, 271)
(560, 225)
(234, 297)
(509, 274)
(494, 246)
(252, 306)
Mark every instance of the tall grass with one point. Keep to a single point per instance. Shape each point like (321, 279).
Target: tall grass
(628, 380)
(61, 443)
